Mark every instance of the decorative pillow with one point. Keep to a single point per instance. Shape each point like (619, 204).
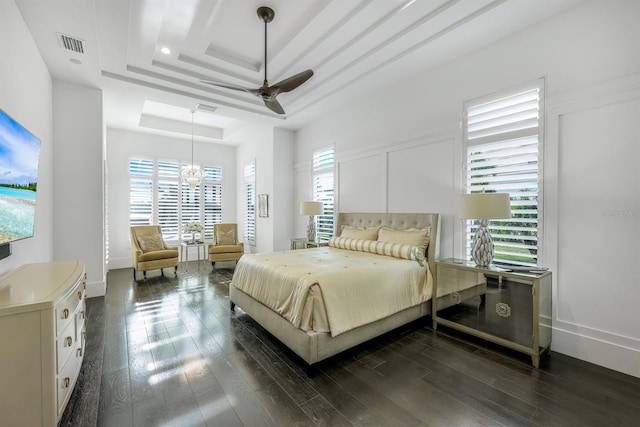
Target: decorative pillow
(151, 243)
(226, 237)
(411, 236)
(359, 233)
(397, 250)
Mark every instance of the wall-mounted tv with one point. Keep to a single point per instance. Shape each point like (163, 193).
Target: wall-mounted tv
(19, 157)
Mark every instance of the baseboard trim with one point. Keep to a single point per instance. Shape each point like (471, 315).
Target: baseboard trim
(116, 264)
(603, 353)
(96, 289)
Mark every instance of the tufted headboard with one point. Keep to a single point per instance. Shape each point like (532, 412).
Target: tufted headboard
(399, 221)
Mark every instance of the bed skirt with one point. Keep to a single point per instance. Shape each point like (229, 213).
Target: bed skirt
(314, 347)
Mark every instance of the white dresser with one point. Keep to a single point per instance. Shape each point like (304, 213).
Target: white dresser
(42, 339)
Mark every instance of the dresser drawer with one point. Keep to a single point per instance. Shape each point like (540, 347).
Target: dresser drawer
(67, 307)
(66, 380)
(80, 321)
(65, 345)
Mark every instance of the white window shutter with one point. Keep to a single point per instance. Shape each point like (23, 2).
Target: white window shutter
(323, 190)
(503, 136)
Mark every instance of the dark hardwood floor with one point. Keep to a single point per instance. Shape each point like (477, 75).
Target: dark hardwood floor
(168, 352)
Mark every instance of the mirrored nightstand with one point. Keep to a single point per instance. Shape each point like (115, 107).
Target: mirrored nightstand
(509, 308)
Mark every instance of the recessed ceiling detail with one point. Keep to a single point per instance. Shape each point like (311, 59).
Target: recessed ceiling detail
(354, 48)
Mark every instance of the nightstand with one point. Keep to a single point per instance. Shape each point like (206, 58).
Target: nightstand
(315, 244)
(299, 243)
(509, 308)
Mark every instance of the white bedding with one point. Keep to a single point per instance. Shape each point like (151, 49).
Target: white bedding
(332, 290)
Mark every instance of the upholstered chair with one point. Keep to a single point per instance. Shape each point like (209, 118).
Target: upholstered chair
(225, 246)
(150, 252)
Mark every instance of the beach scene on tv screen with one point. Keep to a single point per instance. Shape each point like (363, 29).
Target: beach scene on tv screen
(19, 155)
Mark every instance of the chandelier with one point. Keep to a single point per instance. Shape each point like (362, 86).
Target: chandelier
(192, 176)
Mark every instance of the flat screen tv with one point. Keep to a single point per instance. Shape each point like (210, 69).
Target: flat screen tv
(19, 157)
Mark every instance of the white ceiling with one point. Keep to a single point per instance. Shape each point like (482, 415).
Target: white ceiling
(353, 47)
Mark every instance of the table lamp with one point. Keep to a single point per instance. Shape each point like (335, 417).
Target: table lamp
(483, 207)
(312, 209)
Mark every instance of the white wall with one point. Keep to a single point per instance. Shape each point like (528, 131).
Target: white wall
(282, 212)
(78, 206)
(26, 95)
(121, 145)
(410, 148)
(272, 150)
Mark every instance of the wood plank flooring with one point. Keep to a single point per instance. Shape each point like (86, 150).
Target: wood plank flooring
(168, 352)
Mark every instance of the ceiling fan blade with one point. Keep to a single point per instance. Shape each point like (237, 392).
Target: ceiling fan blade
(228, 86)
(274, 106)
(293, 82)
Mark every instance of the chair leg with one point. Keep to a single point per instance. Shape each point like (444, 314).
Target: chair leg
(144, 273)
(162, 272)
(175, 270)
(134, 274)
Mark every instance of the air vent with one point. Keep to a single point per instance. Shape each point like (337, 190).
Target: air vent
(206, 107)
(71, 43)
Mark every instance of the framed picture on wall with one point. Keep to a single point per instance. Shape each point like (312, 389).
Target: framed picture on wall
(263, 205)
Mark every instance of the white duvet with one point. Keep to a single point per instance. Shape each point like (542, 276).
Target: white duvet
(332, 290)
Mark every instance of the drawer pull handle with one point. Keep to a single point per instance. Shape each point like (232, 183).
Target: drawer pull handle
(68, 341)
(65, 313)
(67, 381)
(80, 352)
(79, 295)
(82, 314)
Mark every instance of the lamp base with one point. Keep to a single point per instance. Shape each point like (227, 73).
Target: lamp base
(482, 246)
(311, 229)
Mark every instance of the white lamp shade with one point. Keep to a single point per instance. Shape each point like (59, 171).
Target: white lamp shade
(485, 206)
(311, 208)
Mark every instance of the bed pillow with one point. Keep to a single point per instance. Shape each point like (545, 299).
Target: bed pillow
(359, 233)
(151, 243)
(226, 237)
(412, 236)
(397, 250)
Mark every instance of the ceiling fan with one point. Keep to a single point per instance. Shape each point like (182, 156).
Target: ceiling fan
(269, 93)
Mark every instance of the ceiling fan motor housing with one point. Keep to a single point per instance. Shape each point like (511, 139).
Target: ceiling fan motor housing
(266, 14)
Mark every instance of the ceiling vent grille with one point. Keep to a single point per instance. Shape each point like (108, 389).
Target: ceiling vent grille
(71, 43)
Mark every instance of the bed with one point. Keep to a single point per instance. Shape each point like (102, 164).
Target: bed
(308, 298)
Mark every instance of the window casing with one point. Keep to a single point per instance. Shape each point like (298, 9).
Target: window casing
(156, 196)
(323, 190)
(503, 136)
(249, 214)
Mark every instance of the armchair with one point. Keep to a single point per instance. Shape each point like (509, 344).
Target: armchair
(150, 252)
(225, 246)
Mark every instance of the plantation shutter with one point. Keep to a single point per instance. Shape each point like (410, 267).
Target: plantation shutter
(503, 135)
(190, 204)
(168, 196)
(140, 192)
(250, 202)
(212, 199)
(323, 190)
(157, 196)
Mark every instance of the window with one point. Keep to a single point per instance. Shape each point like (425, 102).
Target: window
(212, 199)
(249, 214)
(140, 192)
(323, 190)
(503, 137)
(156, 196)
